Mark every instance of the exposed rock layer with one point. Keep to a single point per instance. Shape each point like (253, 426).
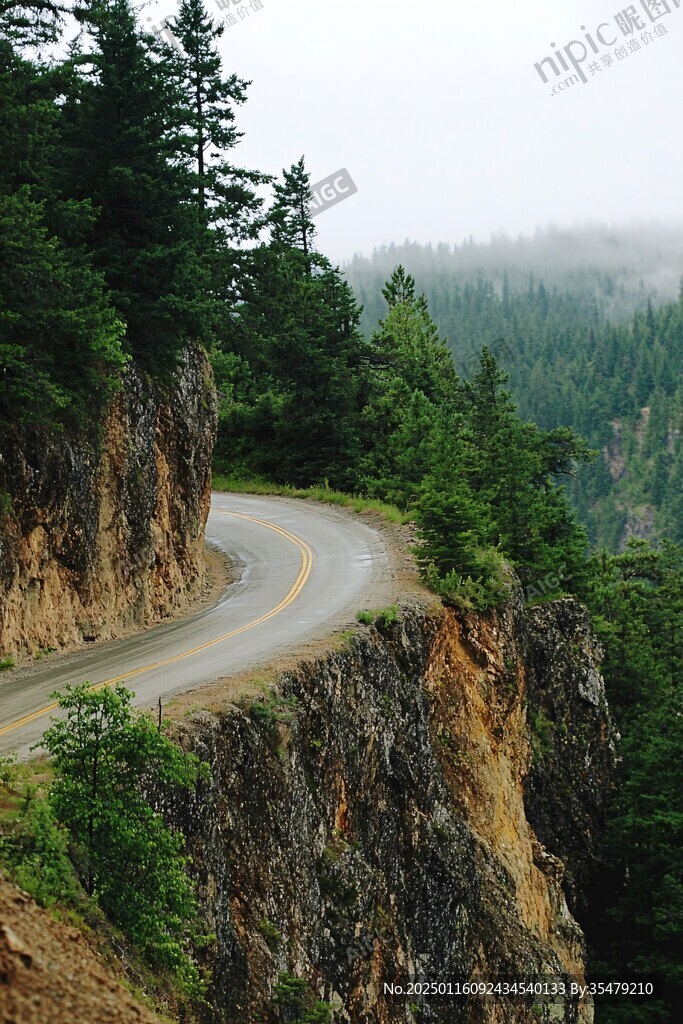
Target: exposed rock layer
(574, 753)
(99, 536)
(378, 832)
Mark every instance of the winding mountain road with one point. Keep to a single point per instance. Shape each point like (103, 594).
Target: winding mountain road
(302, 568)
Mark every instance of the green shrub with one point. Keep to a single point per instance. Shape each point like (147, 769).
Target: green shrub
(388, 616)
(35, 853)
(8, 771)
(542, 735)
(106, 756)
(271, 934)
(465, 592)
(383, 618)
(274, 709)
(294, 994)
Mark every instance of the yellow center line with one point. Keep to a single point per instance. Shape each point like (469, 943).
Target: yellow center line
(300, 582)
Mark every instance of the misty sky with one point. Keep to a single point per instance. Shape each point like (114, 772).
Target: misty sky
(437, 111)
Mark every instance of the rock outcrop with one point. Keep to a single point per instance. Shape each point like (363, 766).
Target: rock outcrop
(572, 773)
(368, 823)
(104, 530)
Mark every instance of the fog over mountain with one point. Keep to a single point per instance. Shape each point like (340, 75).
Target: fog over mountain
(623, 265)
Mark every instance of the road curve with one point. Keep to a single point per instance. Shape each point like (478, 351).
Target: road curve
(301, 567)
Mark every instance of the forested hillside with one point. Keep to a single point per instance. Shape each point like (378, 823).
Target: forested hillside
(620, 266)
(617, 382)
(128, 232)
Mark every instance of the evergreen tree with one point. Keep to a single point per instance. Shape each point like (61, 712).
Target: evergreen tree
(289, 372)
(637, 603)
(225, 194)
(512, 465)
(410, 397)
(60, 347)
(400, 288)
(292, 227)
(124, 154)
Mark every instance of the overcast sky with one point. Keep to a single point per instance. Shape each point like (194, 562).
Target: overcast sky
(437, 111)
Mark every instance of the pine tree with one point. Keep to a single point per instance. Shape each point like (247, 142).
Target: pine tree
(124, 154)
(225, 194)
(411, 390)
(24, 23)
(60, 351)
(290, 215)
(512, 466)
(400, 288)
(291, 382)
(637, 603)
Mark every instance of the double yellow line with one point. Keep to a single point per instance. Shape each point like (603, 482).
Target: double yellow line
(300, 582)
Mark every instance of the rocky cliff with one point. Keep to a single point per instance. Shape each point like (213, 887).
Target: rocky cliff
(103, 530)
(571, 773)
(371, 821)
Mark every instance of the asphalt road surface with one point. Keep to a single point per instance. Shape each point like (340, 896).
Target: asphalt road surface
(302, 567)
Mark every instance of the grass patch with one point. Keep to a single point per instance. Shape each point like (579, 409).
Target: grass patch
(274, 709)
(346, 638)
(353, 502)
(42, 652)
(6, 663)
(383, 618)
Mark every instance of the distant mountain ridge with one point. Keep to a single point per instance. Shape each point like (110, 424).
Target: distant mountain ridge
(622, 266)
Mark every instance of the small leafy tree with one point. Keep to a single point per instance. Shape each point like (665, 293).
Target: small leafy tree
(106, 755)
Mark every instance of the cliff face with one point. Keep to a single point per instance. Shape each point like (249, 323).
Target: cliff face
(574, 753)
(100, 535)
(368, 824)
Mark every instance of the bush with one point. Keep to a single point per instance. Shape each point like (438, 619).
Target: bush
(271, 934)
(9, 771)
(542, 735)
(36, 855)
(294, 994)
(383, 618)
(466, 592)
(273, 709)
(388, 616)
(106, 757)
